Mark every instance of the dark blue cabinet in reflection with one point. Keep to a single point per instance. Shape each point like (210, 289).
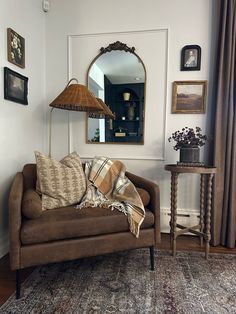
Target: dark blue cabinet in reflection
(128, 125)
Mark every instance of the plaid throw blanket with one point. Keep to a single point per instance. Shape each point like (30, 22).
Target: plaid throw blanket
(107, 186)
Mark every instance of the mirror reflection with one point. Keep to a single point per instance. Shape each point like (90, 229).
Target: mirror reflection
(118, 78)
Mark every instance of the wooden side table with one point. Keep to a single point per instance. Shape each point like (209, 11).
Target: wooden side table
(203, 228)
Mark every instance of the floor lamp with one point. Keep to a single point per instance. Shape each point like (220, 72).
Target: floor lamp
(77, 97)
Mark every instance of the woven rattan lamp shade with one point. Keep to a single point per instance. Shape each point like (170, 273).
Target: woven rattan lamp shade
(77, 97)
(107, 113)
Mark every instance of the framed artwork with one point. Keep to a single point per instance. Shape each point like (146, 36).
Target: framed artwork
(15, 86)
(191, 58)
(189, 96)
(15, 48)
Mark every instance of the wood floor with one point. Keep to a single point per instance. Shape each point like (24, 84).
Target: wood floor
(184, 243)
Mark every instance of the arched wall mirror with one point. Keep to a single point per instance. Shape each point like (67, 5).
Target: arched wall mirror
(117, 75)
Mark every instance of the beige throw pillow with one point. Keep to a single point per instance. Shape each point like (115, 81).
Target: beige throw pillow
(61, 183)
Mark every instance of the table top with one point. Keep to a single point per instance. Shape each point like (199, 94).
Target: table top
(190, 169)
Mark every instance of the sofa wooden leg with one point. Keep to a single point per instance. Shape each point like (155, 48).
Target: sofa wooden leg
(18, 283)
(151, 248)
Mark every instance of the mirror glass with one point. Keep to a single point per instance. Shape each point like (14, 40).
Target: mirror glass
(118, 77)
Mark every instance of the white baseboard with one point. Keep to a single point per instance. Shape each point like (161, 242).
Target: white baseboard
(4, 245)
(184, 217)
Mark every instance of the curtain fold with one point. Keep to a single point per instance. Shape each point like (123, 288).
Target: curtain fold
(224, 214)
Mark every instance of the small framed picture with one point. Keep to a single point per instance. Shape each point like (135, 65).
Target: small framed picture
(191, 58)
(189, 96)
(15, 48)
(15, 86)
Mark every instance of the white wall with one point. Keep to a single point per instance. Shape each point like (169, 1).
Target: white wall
(188, 22)
(21, 127)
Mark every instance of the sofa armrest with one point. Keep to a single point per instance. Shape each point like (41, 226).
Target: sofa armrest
(154, 204)
(14, 203)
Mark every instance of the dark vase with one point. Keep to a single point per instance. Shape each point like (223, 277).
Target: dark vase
(131, 113)
(189, 154)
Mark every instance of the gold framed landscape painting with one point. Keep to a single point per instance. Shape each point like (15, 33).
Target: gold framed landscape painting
(189, 96)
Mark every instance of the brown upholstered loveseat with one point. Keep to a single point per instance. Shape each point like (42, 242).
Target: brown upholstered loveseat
(67, 233)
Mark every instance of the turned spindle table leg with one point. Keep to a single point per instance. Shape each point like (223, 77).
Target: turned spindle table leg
(202, 194)
(171, 212)
(174, 186)
(208, 214)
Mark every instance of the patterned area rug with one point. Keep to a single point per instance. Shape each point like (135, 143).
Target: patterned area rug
(124, 283)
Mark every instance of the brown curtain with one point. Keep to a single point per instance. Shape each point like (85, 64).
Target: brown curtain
(224, 214)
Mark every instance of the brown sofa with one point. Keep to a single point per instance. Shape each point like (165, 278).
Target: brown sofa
(67, 233)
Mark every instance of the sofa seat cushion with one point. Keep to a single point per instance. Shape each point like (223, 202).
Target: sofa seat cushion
(68, 222)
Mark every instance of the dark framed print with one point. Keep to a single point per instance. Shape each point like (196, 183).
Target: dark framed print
(189, 96)
(15, 48)
(15, 86)
(191, 58)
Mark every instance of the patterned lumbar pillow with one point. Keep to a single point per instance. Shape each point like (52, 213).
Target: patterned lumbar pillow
(31, 204)
(144, 195)
(61, 183)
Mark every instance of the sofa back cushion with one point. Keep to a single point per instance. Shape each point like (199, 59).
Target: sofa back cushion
(30, 177)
